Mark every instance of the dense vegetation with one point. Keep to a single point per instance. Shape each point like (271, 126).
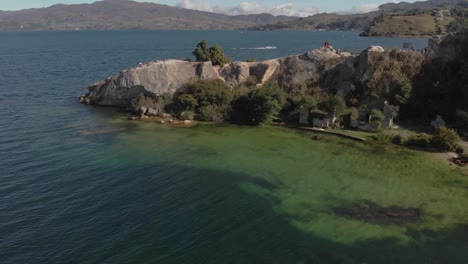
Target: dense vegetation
(442, 85)
(415, 87)
(461, 21)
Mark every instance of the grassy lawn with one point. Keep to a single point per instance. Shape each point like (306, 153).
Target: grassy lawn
(418, 25)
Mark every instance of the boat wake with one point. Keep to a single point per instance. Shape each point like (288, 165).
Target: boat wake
(259, 48)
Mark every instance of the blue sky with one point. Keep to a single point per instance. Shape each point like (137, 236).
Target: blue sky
(277, 7)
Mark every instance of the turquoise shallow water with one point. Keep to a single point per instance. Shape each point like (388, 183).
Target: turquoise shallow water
(82, 184)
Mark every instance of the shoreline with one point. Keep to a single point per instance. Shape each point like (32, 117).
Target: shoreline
(445, 157)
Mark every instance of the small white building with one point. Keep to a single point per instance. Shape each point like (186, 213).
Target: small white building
(327, 122)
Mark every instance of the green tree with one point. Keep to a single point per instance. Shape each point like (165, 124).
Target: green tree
(335, 103)
(202, 52)
(215, 54)
(262, 108)
(158, 103)
(264, 104)
(138, 102)
(298, 96)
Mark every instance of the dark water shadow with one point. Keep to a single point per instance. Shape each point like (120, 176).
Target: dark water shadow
(179, 214)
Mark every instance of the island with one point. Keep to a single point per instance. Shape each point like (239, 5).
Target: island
(320, 89)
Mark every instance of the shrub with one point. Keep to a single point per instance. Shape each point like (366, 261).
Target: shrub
(397, 140)
(142, 100)
(251, 81)
(420, 140)
(377, 115)
(187, 101)
(382, 138)
(211, 113)
(187, 115)
(251, 60)
(138, 102)
(207, 92)
(209, 99)
(262, 108)
(445, 139)
(460, 150)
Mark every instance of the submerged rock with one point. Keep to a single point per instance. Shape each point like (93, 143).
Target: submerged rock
(373, 213)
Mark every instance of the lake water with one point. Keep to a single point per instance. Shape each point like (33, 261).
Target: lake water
(81, 184)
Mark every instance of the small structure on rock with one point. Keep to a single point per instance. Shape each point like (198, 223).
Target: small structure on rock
(438, 122)
(326, 122)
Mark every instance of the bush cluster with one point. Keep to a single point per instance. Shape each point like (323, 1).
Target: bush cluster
(210, 99)
(443, 139)
(420, 140)
(158, 103)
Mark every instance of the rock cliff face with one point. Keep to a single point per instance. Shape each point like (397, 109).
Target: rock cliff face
(167, 76)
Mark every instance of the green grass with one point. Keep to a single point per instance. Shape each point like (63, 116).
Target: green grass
(418, 25)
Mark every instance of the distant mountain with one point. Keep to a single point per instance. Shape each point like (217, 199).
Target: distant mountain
(125, 14)
(324, 21)
(367, 20)
(431, 4)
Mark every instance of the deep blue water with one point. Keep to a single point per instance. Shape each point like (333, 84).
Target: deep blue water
(69, 198)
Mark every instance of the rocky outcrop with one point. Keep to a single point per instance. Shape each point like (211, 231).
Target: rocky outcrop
(166, 76)
(354, 69)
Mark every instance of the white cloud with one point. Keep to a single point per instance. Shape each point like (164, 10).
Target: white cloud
(202, 5)
(246, 8)
(365, 8)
